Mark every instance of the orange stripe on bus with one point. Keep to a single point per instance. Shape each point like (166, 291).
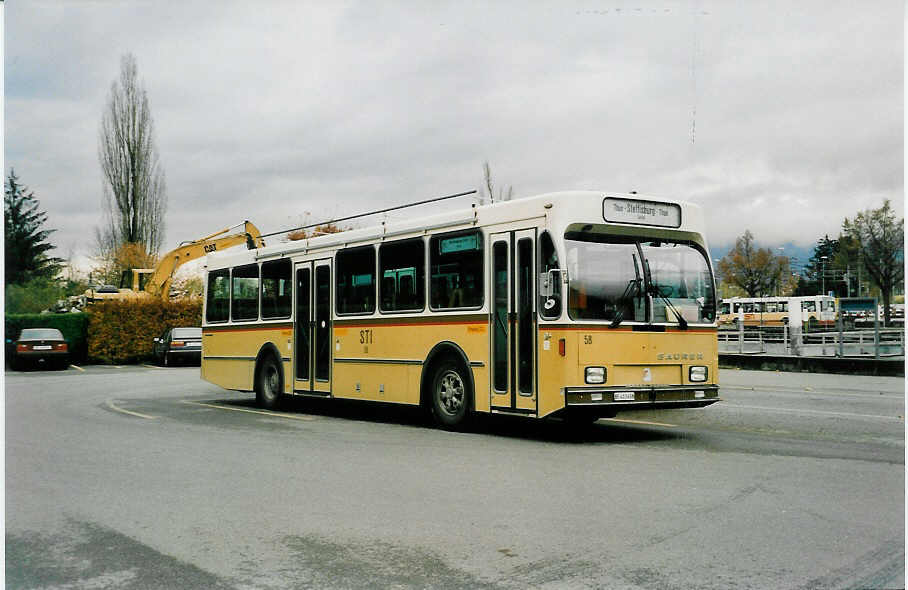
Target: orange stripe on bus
(401, 324)
(560, 328)
(257, 328)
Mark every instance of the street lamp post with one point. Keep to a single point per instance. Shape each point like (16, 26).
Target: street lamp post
(823, 260)
(781, 254)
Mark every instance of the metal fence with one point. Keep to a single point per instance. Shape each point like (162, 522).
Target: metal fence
(783, 341)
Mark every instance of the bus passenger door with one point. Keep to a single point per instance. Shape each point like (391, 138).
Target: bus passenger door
(513, 321)
(323, 343)
(312, 328)
(302, 328)
(500, 320)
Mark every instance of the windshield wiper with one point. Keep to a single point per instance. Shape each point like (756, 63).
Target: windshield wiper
(655, 290)
(631, 291)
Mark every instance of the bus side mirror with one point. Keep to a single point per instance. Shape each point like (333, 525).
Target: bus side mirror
(548, 281)
(545, 285)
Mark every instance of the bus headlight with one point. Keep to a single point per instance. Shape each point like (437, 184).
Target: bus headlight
(594, 375)
(698, 374)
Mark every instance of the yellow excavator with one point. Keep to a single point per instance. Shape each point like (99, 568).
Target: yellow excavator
(155, 282)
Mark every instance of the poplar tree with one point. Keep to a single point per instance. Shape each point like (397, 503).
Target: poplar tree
(135, 198)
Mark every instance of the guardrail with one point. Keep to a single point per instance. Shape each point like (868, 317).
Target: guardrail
(853, 343)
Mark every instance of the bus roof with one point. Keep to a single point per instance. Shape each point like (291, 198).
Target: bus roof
(557, 212)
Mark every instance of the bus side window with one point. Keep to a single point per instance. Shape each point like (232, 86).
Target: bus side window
(402, 268)
(550, 308)
(217, 303)
(456, 267)
(244, 300)
(276, 294)
(355, 280)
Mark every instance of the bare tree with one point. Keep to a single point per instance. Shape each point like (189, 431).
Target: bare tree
(879, 236)
(135, 198)
(503, 195)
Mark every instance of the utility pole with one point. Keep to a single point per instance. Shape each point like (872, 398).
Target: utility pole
(823, 263)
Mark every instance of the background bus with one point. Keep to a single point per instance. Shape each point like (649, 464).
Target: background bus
(815, 310)
(576, 304)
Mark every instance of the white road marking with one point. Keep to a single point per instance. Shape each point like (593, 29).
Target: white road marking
(152, 366)
(816, 412)
(79, 368)
(640, 422)
(277, 414)
(117, 408)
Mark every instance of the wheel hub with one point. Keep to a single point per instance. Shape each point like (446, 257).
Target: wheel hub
(451, 392)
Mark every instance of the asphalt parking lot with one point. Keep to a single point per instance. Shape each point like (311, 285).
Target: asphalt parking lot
(148, 477)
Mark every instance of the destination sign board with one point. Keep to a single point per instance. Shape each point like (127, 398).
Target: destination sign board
(460, 244)
(638, 212)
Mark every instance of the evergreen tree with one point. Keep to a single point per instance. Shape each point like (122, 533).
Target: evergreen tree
(822, 271)
(24, 239)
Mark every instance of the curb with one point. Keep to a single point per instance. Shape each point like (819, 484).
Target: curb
(812, 364)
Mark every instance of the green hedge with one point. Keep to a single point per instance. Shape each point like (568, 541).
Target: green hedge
(123, 331)
(72, 325)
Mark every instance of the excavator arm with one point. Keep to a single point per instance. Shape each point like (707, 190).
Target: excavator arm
(158, 283)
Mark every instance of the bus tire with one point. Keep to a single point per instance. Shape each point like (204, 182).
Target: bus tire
(812, 324)
(269, 383)
(450, 394)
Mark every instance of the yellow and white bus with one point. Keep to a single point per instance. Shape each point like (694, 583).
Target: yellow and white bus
(573, 304)
(816, 310)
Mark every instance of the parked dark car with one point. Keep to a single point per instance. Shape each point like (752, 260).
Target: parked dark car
(42, 347)
(179, 345)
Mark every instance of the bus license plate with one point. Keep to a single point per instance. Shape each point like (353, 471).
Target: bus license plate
(624, 396)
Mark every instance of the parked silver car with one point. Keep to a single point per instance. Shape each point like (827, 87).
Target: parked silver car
(178, 345)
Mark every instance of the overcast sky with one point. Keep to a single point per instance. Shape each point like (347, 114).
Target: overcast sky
(781, 118)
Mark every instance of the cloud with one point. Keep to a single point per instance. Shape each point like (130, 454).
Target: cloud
(778, 117)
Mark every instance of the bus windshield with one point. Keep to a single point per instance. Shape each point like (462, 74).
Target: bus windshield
(629, 280)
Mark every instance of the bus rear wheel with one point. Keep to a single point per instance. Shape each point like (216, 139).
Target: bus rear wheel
(451, 395)
(269, 384)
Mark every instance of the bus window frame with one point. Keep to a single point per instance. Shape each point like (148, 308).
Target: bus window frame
(540, 305)
(484, 252)
(229, 272)
(258, 292)
(262, 289)
(425, 281)
(335, 287)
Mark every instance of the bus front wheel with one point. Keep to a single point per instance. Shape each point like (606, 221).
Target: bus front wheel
(268, 385)
(450, 395)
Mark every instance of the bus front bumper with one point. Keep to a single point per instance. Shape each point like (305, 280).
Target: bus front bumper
(616, 399)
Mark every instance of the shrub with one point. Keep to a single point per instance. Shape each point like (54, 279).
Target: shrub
(72, 325)
(32, 297)
(123, 331)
